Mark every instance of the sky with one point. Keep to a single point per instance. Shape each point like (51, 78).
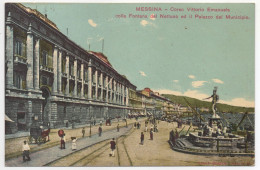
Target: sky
(181, 56)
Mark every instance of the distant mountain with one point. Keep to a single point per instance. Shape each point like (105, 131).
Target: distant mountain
(204, 104)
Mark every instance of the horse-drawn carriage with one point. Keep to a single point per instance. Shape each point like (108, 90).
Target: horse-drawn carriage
(39, 134)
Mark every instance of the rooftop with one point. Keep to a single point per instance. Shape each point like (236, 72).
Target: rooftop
(39, 15)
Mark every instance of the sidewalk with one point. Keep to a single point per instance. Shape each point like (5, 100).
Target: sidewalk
(27, 133)
(17, 135)
(45, 156)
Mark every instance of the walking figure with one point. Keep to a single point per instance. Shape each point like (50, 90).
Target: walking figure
(83, 132)
(26, 151)
(145, 127)
(117, 127)
(73, 144)
(113, 147)
(151, 134)
(142, 138)
(100, 130)
(135, 125)
(62, 141)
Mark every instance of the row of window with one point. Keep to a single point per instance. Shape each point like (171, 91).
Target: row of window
(46, 60)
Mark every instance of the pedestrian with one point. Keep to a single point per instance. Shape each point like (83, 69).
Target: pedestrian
(62, 141)
(26, 151)
(142, 138)
(151, 134)
(73, 144)
(135, 125)
(83, 132)
(146, 127)
(100, 130)
(113, 147)
(155, 128)
(176, 134)
(101, 122)
(94, 122)
(117, 127)
(151, 126)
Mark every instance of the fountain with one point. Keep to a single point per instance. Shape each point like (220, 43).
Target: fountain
(212, 139)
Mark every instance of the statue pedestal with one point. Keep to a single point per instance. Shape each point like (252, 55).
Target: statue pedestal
(214, 122)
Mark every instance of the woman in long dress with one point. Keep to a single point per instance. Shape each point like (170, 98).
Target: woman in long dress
(74, 144)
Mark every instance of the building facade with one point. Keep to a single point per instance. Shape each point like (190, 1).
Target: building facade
(51, 79)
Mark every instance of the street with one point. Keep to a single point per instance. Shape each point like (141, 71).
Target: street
(95, 151)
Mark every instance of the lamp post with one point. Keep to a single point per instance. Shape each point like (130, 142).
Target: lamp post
(90, 128)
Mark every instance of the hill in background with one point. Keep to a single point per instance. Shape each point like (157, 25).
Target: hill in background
(204, 104)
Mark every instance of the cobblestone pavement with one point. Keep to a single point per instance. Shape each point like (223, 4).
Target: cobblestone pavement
(46, 156)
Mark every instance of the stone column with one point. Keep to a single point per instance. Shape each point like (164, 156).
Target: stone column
(106, 88)
(90, 79)
(114, 91)
(55, 71)
(59, 72)
(120, 93)
(111, 90)
(68, 76)
(96, 79)
(36, 70)
(9, 53)
(54, 114)
(29, 52)
(123, 94)
(76, 77)
(127, 97)
(82, 78)
(29, 115)
(102, 85)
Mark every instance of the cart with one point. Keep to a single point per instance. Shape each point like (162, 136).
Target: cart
(39, 135)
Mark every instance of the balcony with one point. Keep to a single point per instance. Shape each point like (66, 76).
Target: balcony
(64, 75)
(47, 69)
(20, 59)
(72, 77)
(80, 80)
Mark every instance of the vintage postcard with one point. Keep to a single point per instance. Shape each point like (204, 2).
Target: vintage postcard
(129, 84)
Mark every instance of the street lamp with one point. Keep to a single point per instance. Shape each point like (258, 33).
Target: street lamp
(90, 128)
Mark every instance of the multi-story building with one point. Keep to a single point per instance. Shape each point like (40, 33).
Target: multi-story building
(51, 79)
(135, 102)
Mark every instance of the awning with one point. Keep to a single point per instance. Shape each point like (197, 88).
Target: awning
(8, 119)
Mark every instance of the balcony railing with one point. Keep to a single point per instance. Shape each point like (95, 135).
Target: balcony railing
(79, 79)
(72, 77)
(64, 74)
(20, 59)
(45, 68)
